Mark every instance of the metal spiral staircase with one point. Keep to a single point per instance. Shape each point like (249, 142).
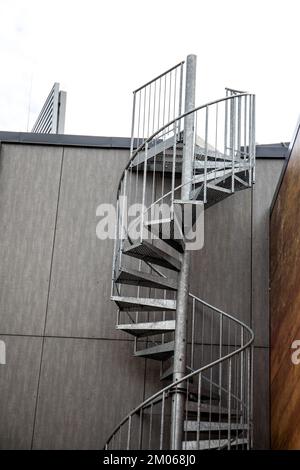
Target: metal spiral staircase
(181, 163)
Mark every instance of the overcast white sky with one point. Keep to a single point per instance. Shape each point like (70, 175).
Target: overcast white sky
(100, 51)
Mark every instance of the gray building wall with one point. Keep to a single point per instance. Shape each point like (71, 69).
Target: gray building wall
(70, 377)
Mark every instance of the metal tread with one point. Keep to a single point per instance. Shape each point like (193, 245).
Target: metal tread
(154, 254)
(192, 408)
(159, 353)
(140, 278)
(164, 229)
(193, 426)
(212, 444)
(148, 328)
(145, 304)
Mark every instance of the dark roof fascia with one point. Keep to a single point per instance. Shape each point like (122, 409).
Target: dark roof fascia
(65, 140)
(68, 140)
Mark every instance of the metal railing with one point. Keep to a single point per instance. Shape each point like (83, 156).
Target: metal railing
(218, 389)
(219, 347)
(223, 162)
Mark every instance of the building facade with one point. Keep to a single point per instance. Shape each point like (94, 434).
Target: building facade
(69, 376)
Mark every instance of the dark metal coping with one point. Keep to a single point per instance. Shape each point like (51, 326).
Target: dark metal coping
(279, 150)
(64, 140)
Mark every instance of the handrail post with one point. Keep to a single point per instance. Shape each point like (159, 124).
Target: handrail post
(178, 398)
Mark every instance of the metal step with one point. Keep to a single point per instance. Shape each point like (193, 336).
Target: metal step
(212, 175)
(211, 164)
(140, 278)
(192, 408)
(158, 353)
(167, 374)
(164, 229)
(193, 426)
(148, 328)
(219, 188)
(206, 393)
(212, 444)
(154, 254)
(143, 304)
(160, 147)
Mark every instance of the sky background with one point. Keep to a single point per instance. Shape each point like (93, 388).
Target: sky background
(100, 51)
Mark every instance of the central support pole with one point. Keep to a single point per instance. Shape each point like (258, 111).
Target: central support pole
(179, 395)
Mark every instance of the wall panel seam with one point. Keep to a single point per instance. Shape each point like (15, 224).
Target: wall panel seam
(47, 302)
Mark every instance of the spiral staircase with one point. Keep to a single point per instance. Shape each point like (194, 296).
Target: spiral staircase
(181, 163)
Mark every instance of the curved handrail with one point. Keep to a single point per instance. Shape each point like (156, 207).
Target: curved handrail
(168, 124)
(191, 374)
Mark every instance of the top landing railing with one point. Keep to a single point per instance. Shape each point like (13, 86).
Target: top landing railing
(156, 103)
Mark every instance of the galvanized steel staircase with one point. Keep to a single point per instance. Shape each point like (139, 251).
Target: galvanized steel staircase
(149, 249)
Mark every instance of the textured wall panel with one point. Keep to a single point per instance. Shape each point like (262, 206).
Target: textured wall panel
(29, 181)
(79, 303)
(18, 386)
(261, 399)
(267, 175)
(87, 386)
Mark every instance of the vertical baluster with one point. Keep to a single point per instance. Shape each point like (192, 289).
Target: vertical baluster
(195, 143)
(150, 426)
(144, 191)
(159, 106)
(241, 407)
(180, 90)
(162, 421)
(232, 140)
(248, 398)
(139, 118)
(170, 96)
(205, 157)
(154, 108)
(124, 217)
(174, 97)
(116, 247)
(235, 389)
(193, 333)
(141, 417)
(202, 337)
(250, 139)
(251, 396)
(216, 138)
(220, 374)
(164, 100)
(149, 111)
(211, 375)
(239, 112)
(173, 169)
(144, 114)
(133, 124)
(225, 132)
(128, 433)
(199, 410)
(253, 140)
(229, 404)
(186, 410)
